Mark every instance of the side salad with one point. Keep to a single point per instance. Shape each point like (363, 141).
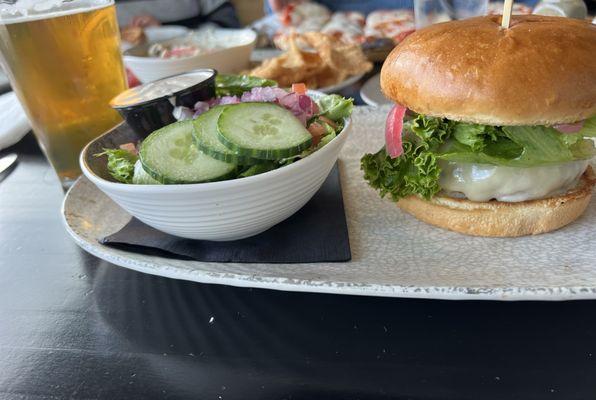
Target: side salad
(250, 127)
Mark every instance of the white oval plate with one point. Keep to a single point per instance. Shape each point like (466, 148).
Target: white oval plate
(371, 92)
(393, 254)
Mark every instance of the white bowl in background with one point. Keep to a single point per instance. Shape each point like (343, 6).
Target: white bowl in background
(233, 58)
(165, 32)
(158, 34)
(220, 211)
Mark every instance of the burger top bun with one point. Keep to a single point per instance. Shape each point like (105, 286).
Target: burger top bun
(540, 71)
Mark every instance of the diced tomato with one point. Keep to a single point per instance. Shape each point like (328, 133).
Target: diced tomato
(299, 88)
(328, 121)
(393, 131)
(132, 79)
(286, 14)
(130, 147)
(317, 131)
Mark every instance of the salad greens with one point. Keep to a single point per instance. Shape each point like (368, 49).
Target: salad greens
(426, 140)
(235, 85)
(335, 107)
(258, 169)
(318, 119)
(121, 164)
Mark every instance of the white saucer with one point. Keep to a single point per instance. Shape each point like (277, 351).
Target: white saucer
(371, 92)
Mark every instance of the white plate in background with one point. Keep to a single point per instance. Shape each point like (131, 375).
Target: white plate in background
(371, 92)
(4, 82)
(341, 85)
(13, 121)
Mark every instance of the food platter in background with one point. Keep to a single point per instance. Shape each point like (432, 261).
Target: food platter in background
(377, 33)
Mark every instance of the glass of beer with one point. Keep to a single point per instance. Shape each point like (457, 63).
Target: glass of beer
(64, 63)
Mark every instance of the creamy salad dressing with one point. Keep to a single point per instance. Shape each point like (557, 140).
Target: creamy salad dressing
(483, 182)
(158, 89)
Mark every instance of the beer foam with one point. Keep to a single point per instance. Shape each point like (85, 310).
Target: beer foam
(31, 10)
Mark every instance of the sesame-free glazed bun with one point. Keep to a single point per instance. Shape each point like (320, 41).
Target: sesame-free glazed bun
(500, 219)
(540, 71)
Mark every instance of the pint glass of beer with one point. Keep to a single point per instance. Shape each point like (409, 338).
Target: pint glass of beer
(63, 61)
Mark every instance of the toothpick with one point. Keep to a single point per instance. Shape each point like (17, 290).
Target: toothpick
(507, 8)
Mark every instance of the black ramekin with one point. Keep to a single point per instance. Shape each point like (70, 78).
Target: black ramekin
(146, 116)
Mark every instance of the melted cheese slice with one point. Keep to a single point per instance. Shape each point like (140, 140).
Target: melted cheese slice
(482, 182)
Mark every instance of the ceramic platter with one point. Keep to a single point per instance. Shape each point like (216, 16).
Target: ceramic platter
(393, 254)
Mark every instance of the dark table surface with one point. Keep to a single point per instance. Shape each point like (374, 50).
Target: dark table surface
(73, 326)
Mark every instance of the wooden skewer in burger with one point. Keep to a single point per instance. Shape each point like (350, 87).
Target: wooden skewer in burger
(499, 144)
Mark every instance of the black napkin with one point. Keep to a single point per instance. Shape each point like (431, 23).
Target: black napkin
(316, 233)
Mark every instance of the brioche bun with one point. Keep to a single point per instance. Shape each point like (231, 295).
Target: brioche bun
(501, 219)
(540, 71)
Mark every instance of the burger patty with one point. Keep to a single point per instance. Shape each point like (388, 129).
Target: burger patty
(483, 182)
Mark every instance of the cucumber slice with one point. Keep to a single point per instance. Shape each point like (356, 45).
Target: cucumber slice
(141, 177)
(206, 139)
(262, 130)
(170, 156)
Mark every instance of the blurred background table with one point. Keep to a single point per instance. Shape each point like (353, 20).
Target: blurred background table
(73, 326)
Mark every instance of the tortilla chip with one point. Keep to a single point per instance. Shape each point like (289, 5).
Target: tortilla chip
(326, 61)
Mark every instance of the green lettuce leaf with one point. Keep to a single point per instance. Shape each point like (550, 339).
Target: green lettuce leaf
(474, 135)
(402, 176)
(521, 146)
(589, 128)
(416, 170)
(542, 145)
(235, 85)
(121, 164)
(428, 139)
(259, 169)
(335, 107)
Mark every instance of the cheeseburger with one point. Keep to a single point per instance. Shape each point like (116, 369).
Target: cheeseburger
(497, 140)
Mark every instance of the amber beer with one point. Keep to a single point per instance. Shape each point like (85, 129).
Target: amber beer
(65, 66)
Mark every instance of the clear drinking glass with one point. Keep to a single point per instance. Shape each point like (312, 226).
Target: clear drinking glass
(64, 63)
(428, 12)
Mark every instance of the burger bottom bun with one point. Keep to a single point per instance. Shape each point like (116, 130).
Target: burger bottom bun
(502, 219)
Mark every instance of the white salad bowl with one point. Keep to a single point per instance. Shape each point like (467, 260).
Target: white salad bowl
(233, 56)
(220, 211)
